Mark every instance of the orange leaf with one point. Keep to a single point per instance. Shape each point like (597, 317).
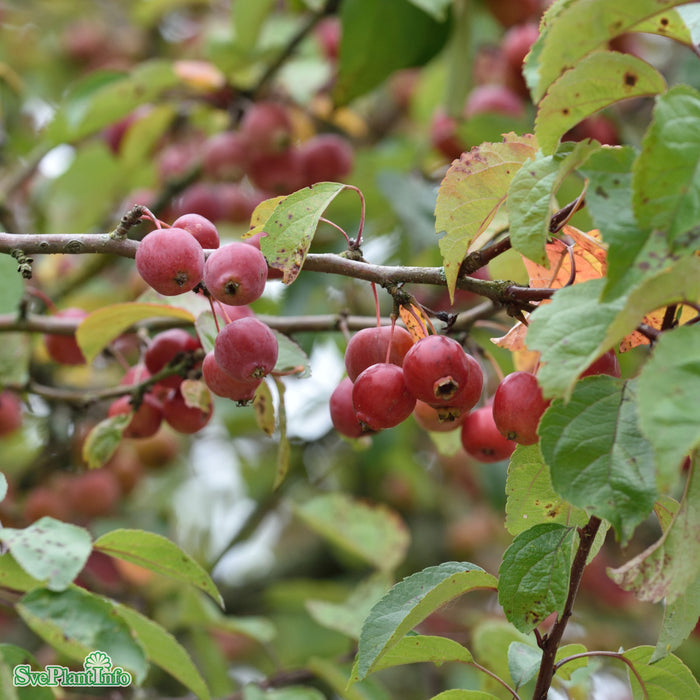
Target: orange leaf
(416, 322)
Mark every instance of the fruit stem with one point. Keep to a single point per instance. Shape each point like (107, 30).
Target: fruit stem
(376, 303)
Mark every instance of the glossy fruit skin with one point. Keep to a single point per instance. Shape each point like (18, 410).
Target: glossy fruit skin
(605, 364)
(236, 274)
(325, 157)
(10, 413)
(518, 406)
(343, 414)
(170, 260)
(226, 156)
(436, 420)
(266, 128)
(381, 398)
(482, 439)
(369, 345)
(246, 349)
(94, 493)
(201, 228)
(498, 99)
(146, 419)
(64, 349)
(437, 370)
(183, 418)
(223, 384)
(164, 348)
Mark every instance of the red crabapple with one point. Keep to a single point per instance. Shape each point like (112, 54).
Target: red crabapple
(64, 349)
(343, 414)
(170, 260)
(43, 501)
(236, 274)
(369, 347)
(517, 406)
(201, 228)
(10, 413)
(278, 173)
(183, 418)
(199, 198)
(223, 384)
(444, 136)
(437, 371)
(266, 128)
(494, 98)
(605, 364)
(325, 157)
(94, 493)
(436, 419)
(246, 349)
(381, 398)
(146, 419)
(226, 156)
(481, 438)
(165, 347)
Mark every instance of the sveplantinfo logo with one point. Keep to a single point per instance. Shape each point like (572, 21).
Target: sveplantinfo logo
(98, 672)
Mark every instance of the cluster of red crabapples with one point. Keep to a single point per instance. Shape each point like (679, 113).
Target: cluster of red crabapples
(389, 378)
(172, 260)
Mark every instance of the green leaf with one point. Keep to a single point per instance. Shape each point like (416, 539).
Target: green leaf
(379, 38)
(666, 184)
(102, 441)
(668, 386)
(681, 24)
(677, 284)
(489, 643)
(598, 458)
(372, 532)
(291, 357)
(248, 17)
(569, 333)
(164, 650)
(470, 195)
(98, 329)
(669, 567)
(534, 575)
(532, 499)
(437, 9)
(565, 671)
(76, 622)
(292, 225)
(408, 603)
(680, 618)
(14, 577)
(523, 662)
(142, 137)
(158, 554)
(206, 330)
(531, 196)
(347, 617)
(283, 448)
(264, 409)
(49, 550)
(595, 82)
(417, 648)
(104, 97)
(14, 358)
(575, 29)
(666, 679)
(10, 657)
(632, 250)
(11, 285)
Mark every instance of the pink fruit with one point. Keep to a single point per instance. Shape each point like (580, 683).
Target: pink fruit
(369, 347)
(236, 274)
(343, 414)
(170, 260)
(381, 398)
(246, 349)
(64, 349)
(201, 228)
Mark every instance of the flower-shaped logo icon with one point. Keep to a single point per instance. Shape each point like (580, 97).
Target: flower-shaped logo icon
(97, 660)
